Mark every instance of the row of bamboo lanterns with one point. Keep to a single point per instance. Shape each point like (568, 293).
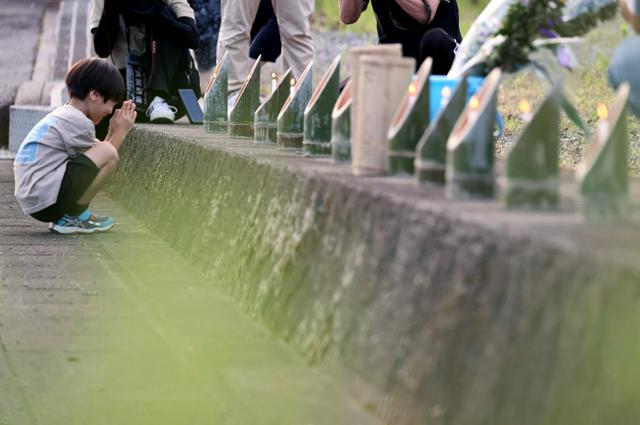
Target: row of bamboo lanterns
(383, 124)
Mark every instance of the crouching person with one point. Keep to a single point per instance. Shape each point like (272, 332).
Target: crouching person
(60, 165)
(149, 42)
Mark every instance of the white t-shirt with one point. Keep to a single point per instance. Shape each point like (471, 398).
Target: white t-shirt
(43, 155)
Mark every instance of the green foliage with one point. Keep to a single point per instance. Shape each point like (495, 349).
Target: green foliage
(514, 52)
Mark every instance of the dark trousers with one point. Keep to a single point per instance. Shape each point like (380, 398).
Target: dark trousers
(435, 43)
(170, 73)
(265, 34)
(440, 46)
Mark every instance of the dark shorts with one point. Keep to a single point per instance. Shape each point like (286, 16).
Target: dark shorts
(80, 172)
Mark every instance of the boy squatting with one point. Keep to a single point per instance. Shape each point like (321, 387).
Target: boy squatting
(60, 165)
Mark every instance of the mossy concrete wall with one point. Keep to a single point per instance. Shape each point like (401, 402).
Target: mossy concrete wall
(435, 312)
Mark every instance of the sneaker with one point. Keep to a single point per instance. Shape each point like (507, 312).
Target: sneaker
(70, 224)
(160, 112)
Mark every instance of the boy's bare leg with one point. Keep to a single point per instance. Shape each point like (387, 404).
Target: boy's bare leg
(105, 156)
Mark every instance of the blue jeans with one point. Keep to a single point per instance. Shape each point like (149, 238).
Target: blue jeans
(624, 67)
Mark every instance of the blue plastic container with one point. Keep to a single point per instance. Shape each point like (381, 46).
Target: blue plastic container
(438, 82)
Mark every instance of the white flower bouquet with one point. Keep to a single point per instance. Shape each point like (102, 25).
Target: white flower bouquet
(507, 32)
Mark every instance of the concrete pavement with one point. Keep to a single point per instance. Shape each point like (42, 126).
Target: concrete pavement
(116, 328)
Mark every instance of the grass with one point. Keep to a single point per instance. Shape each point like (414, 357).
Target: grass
(588, 83)
(589, 86)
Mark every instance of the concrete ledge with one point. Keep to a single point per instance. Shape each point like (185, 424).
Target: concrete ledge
(439, 312)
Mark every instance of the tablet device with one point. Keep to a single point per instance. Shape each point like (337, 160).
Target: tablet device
(191, 105)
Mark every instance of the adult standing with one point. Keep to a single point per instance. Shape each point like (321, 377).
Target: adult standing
(425, 28)
(294, 21)
(265, 35)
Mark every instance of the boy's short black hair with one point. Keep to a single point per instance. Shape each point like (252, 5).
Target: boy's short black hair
(95, 74)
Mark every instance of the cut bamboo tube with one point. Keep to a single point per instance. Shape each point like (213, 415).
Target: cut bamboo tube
(603, 173)
(431, 152)
(471, 156)
(266, 117)
(382, 50)
(215, 99)
(341, 125)
(317, 115)
(532, 168)
(382, 83)
(409, 123)
(291, 117)
(248, 100)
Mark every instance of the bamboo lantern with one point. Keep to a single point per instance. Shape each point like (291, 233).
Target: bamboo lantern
(317, 115)
(431, 152)
(532, 168)
(266, 117)
(382, 84)
(215, 99)
(341, 125)
(410, 121)
(603, 174)
(291, 117)
(471, 146)
(247, 102)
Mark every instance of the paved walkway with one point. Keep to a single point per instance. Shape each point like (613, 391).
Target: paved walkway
(117, 329)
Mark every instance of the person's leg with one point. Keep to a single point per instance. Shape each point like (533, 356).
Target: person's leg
(237, 19)
(624, 67)
(264, 13)
(165, 67)
(83, 177)
(105, 157)
(266, 42)
(294, 20)
(438, 45)
(169, 74)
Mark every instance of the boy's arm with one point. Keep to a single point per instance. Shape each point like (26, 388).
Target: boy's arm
(121, 123)
(116, 138)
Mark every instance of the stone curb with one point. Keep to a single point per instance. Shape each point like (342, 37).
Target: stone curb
(439, 311)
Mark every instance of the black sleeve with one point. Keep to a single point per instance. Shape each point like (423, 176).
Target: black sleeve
(106, 32)
(182, 30)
